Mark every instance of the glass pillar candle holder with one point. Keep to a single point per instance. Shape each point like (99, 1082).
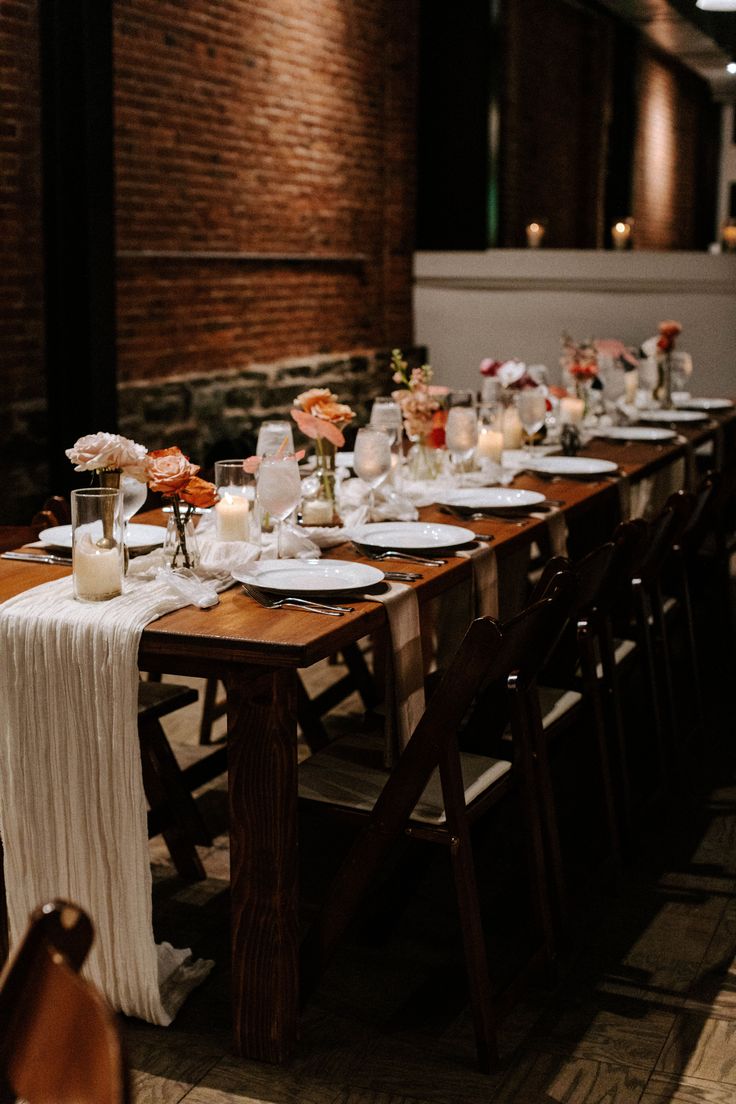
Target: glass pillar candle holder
(236, 488)
(97, 543)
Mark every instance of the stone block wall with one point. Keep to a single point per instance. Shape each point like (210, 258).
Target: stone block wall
(217, 415)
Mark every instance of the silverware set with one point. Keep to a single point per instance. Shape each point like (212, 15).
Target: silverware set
(37, 557)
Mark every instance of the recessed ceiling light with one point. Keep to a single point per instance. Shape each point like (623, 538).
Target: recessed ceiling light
(731, 67)
(716, 5)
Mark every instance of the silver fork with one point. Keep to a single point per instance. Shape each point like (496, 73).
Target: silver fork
(294, 603)
(396, 554)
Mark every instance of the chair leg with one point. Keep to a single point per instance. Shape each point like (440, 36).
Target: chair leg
(481, 1001)
(211, 711)
(612, 689)
(586, 644)
(163, 785)
(361, 675)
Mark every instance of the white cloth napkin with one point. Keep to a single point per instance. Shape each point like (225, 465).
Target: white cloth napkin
(404, 676)
(485, 579)
(72, 806)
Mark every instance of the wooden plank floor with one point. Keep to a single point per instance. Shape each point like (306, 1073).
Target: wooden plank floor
(643, 1010)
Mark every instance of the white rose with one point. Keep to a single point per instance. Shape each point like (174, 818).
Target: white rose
(108, 450)
(510, 372)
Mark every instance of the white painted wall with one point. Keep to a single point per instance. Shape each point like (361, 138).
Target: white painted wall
(515, 303)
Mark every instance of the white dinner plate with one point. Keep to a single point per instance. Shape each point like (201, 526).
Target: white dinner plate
(136, 536)
(308, 576)
(636, 433)
(671, 416)
(580, 466)
(492, 498)
(411, 536)
(703, 404)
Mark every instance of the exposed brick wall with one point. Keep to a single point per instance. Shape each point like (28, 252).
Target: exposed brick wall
(675, 116)
(281, 128)
(22, 401)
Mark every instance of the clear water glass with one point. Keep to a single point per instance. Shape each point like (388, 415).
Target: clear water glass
(275, 435)
(135, 494)
(372, 460)
(386, 415)
(461, 435)
(279, 491)
(531, 406)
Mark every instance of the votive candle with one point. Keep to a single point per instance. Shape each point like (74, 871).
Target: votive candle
(534, 235)
(490, 444)
(621, 235)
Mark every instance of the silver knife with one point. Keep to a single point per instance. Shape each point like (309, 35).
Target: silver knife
(31, 557)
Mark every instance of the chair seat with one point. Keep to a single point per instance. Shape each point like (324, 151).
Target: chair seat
(158, 699)
(349, 773)
(554, 704)
(621, 650)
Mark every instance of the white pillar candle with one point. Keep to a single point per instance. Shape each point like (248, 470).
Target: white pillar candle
(231, 514)
(631, 386)
(98, 572)
(571, 410)
(512, 429)
(490, 444)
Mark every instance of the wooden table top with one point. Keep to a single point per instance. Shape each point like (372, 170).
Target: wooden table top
(239, 631)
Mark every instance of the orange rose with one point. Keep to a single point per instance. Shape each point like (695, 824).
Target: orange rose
(198, 492)
(168, 470)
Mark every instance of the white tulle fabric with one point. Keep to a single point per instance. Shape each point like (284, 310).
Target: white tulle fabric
(72, 806)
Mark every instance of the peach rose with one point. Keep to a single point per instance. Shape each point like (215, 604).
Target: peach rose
(670, 328)
(198, 492)
(321, 403)
(169, 470)
(314, 426)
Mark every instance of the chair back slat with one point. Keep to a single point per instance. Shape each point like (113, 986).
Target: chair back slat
(59, 1043)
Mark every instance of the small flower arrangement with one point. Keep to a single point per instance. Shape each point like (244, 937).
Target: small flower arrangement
(579, 358)
(420, 401)
(170, 473)
(320, 416)
(511, 374)
(668, 331)
(109, 452)
(622, 355)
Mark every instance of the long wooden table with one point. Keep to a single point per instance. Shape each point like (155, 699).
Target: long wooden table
(257, 653)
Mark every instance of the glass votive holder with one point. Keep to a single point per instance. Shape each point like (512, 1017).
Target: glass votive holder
(275, 435)
(234, 517)
(97, 543)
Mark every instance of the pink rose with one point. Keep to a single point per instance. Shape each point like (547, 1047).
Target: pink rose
(98, 451)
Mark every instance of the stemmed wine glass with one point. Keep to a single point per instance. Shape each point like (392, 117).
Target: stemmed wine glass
(279, 490)
(134, 495)
(386, 415)
(372, 460)
(461, 435)
(531, 405)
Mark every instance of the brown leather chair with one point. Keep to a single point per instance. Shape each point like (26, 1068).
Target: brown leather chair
(59, 1041)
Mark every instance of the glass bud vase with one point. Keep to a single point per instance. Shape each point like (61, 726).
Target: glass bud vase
(423, 461)
(319, 492)
(663, 390)
(180, 543)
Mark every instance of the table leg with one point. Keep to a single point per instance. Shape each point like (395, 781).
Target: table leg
(262, 766)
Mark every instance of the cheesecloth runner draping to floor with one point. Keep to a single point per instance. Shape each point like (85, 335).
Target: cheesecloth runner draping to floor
(72, 806)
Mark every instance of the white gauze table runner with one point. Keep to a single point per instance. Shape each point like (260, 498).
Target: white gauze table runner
(72, 806)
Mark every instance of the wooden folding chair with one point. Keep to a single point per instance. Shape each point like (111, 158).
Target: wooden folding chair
(435, 792)
(59, 1041)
